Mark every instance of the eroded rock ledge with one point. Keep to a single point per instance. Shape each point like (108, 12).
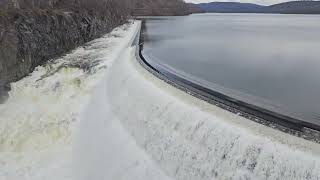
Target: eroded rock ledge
(30, 38)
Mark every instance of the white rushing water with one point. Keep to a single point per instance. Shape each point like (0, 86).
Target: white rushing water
(116, 121)
(38, 121)
(190, 139)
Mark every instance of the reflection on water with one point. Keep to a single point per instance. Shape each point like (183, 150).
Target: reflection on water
(268, 60)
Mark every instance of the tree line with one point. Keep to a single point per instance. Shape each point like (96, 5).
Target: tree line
(104, 7)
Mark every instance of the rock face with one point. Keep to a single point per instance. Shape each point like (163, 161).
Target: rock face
(35, 31)
(31, 38)
(7, 4)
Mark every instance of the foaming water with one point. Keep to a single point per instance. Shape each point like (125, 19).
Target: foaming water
(193, 140)
(38, 119)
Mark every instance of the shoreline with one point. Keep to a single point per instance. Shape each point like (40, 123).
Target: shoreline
(190, 139)
(254, 113)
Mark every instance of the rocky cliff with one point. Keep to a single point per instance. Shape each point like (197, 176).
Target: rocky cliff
(35, 31)
(30, 37)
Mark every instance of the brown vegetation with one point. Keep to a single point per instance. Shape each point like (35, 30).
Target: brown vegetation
(160, 7)
(106, 8)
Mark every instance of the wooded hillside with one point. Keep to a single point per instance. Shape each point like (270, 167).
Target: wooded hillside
(161, 7)
(293, 7)
(106, 7)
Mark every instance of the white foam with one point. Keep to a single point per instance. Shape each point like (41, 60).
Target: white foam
(191, 139)
(137, 127)
(105, 150)
(38, 121)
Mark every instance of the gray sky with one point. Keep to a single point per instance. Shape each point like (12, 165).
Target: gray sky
(263, 2)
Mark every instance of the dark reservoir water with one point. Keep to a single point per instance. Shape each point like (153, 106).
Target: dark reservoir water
(272, 61)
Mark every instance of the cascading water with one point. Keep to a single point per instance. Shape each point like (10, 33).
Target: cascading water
(134, 126)
(38, 120)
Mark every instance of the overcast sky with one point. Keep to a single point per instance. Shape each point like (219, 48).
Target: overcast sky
(263, 2)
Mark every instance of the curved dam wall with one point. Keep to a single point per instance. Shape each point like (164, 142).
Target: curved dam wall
(145, 126)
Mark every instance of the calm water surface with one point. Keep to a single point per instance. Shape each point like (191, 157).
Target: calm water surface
(272, 61)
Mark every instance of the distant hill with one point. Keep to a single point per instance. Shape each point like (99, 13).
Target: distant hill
(161, 7)
(296, 7)
(293, 7)
(230, 7)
